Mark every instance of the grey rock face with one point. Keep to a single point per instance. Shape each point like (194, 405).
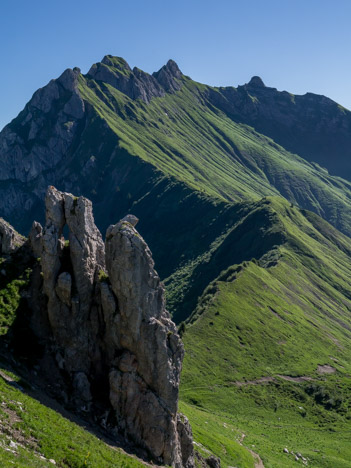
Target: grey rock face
(136, 83)
(41, 144)
(147, 376)
(213, 462)
(64, 288)
(10, 240)
(24, 162)
(109, 324)
(81, 386)
(133, 220)
(186, 440)
(169, 77)
(70, 293)
(35, 236)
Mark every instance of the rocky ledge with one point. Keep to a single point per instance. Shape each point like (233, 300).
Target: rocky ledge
(110, 346)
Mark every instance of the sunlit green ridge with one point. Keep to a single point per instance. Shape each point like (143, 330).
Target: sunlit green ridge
(262, 335)
(185, 137)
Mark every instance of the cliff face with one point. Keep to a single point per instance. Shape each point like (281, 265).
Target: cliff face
(100, 315)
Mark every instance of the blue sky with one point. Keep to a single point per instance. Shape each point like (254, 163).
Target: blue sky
(293, 45)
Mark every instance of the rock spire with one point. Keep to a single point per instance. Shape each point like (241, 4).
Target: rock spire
(109, 331)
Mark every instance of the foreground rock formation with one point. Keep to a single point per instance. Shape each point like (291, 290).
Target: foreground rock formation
(109, 341)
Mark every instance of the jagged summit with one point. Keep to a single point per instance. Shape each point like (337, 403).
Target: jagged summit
(171, 68)
(169, 76)
(136, 83)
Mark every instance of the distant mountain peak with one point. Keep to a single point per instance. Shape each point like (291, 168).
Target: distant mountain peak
(69, 79)
(256, 82)
(136, 83)
(116, 62)
(168, 76)
(173, 68)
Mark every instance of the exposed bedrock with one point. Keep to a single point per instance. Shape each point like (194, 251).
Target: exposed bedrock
(109, 326)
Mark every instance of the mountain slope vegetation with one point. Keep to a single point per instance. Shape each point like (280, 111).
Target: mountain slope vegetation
(185, 137)
(235, 189)
(111, 133)
(268, 347)
(33, 435)
(172, 151)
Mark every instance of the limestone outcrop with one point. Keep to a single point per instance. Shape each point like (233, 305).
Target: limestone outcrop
(109, 334)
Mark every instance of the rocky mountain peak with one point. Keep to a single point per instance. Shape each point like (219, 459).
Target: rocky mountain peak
(100, 316)
(136, 83)
(69, 79)
(256, 82)
(48, 124)
(169, 76)
(10, 239)
(116, 62)
(173, 68)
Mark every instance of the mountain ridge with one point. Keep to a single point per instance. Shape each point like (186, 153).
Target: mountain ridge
(268, 347)
(40, 143)
(235, 189)
(84, 135)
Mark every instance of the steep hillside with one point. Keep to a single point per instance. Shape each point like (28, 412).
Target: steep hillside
(313, 126)
(267, 363)
(34, 435)
(61, 345)
(268, 346)
(120, 136)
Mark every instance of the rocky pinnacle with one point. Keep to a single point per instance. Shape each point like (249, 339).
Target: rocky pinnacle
(109, 326)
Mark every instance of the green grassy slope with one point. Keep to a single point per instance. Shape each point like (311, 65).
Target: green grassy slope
(277, 320)
(248, 231)
(33, 435)
(185, 137)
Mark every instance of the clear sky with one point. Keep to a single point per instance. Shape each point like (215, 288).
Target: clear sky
(294, 45)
